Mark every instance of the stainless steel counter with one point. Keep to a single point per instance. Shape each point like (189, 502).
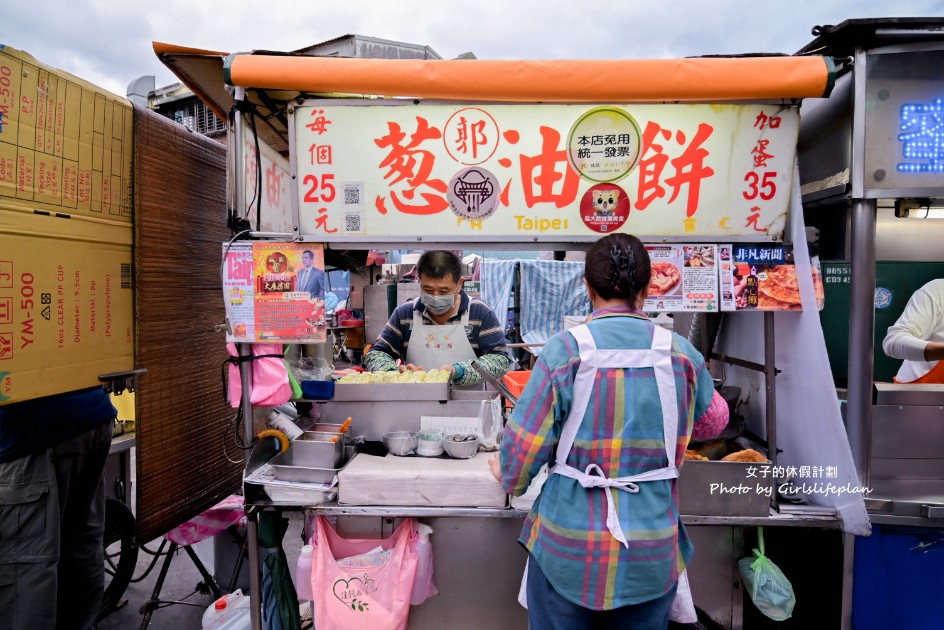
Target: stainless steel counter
(906, 466)
(824, 521)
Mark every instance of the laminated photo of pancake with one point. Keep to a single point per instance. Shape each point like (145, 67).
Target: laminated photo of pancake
(777, 289)
(780, 290)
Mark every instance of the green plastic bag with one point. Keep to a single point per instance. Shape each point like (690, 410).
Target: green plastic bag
(769, 588)
(296, 388)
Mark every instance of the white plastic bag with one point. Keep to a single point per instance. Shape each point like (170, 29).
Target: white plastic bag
(683, 606)
(423, 585)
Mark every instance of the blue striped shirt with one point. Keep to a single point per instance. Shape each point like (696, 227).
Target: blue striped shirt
(485, 334)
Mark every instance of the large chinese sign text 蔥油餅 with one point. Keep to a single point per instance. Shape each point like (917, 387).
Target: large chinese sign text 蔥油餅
(502, 172)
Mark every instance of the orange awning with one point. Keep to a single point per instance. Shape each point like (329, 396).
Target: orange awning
(702, 79)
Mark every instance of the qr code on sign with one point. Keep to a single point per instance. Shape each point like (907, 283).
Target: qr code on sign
(352, 222)
(352, 194)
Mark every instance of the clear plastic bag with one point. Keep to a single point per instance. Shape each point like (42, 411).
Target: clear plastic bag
(769, 588)
(310, 368)
(490, 421)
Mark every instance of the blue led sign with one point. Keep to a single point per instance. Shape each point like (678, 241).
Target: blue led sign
(922, 137)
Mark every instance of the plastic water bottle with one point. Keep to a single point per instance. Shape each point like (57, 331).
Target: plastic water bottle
(229, 612)
(303, 573)
(282, 422)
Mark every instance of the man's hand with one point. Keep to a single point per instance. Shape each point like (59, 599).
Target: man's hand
(451, 369)
(409, 367)
(495, 464)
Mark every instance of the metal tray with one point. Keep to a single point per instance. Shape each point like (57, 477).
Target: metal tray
(318, 453)
(716, 488)
(288, 466)
(390, 391)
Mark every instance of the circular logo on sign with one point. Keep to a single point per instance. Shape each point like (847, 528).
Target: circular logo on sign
(604, 144)
(883, 297)
(470, 136)
(604, 208)
(473, 193)
(277, 262)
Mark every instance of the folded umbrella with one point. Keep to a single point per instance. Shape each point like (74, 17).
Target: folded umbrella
(279, 597)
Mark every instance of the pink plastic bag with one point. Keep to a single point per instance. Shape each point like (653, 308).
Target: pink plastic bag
(270, 383)
(362, 598)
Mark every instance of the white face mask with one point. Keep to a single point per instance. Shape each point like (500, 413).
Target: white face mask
(438, 304)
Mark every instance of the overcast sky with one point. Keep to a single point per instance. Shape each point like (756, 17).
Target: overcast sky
(108, 42)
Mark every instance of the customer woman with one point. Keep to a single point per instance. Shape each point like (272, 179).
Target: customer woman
(610, 407)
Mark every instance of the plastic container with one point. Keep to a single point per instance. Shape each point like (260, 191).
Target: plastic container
(229, 612)
(303, 574)
(430, 443)
(284, 423)
(515, 382)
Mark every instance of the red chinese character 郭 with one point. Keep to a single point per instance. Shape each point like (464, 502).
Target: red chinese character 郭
(546, 166)
(760, 153)
(414, 165)
(320, 123)
(470, 136)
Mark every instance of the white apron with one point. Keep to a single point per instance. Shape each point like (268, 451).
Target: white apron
(434, 346)
(659, 357)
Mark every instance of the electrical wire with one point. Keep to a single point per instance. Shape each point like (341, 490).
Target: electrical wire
(234, 421)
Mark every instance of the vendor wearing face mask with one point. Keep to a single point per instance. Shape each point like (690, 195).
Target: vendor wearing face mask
(443, 329)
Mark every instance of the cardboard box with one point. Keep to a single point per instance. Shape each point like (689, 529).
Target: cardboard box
(66, 231)
(65, 145)
(66, 304)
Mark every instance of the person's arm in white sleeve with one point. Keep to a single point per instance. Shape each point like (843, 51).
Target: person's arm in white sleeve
(909, 337)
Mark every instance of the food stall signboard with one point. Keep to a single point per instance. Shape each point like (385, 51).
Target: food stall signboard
(393, 169)
(763, 278)
(684, 278)
(265, 287)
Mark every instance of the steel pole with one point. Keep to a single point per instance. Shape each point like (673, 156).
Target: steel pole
(245, 371)
(861, 333)
(770, 382)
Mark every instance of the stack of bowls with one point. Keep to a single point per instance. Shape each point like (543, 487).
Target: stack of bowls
(430, 443)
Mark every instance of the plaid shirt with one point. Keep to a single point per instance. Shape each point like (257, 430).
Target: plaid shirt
(622, 433)
(485, 334)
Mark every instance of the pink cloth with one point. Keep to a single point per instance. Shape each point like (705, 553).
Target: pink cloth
(713, 421)
(218, 518)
